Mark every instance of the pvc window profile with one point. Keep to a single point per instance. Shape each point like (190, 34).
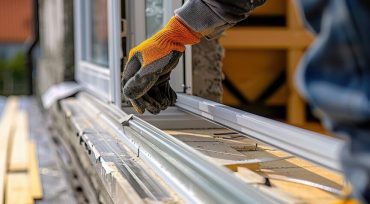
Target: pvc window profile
(100, 79)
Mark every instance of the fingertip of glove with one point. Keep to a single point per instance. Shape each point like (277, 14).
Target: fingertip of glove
(132, 92)
(138, 107)
(138, 110)
(155, 112)
(127, 93)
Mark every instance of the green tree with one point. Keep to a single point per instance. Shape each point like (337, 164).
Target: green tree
(13, 75)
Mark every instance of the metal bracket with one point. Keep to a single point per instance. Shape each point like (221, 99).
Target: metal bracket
(125, 119)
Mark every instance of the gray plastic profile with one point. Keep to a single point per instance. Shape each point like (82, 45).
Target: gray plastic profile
(308, 145)
(189, 173)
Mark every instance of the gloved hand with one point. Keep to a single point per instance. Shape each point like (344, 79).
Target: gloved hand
(158, 98)
(146, 75)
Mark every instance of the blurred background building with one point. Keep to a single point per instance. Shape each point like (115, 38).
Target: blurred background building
(15, 37)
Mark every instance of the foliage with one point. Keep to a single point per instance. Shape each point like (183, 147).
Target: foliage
(13, 75)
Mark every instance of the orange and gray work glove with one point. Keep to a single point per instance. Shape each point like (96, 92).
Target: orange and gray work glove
(147, 72)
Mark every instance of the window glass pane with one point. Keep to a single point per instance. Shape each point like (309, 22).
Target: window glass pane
(154, 16)
(97, 49)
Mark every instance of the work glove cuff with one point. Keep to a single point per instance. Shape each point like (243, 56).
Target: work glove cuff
(173, 37)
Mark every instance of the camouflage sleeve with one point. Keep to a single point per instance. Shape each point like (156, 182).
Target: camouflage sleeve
(212, 17)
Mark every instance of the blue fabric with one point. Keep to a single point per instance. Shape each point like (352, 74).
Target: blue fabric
(334, 76)
(356, 159)
(335, 73)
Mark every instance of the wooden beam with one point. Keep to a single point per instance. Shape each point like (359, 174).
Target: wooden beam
(18, 189)
(257, 180)
(296, 109)
(266, 38)
(6, 123)
(271, 8)
(249, 176)
(294, 18)
(19, 156)
(35, 181)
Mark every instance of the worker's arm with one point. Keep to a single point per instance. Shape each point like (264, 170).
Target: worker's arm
(146, 75)
(212, 17)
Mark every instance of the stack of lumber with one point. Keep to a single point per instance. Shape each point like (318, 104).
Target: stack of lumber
(19, 174)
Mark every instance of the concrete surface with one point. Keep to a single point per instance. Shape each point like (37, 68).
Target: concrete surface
(207, 69)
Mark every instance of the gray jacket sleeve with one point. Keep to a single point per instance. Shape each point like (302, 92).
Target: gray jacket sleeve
(212, 17)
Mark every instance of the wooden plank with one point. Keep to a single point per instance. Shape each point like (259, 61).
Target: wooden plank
(252, 71)
(18, 189)
(233, 165)
(129, 195)
(265, 38)
(296, 110)
(293, 17)
(249, 176)
(301, 169)
(5, 132)
(305, 193)
(35, 181)
(271, 8)
(253, 178)
(19, 156)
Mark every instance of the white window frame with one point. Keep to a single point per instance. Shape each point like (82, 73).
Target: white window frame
(104, 82)
(181, 76)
